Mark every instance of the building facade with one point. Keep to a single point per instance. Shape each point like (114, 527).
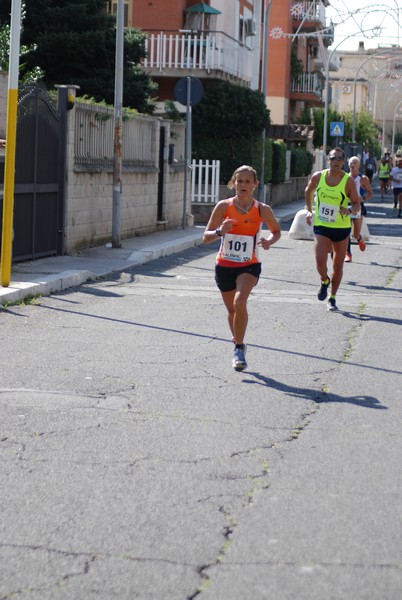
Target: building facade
(224, 40)
(211, 40)
(371, 80)
(297, 52)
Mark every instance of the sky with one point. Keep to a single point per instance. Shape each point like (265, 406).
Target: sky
(374, 23)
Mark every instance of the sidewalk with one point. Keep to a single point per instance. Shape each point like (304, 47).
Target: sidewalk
(44, 276)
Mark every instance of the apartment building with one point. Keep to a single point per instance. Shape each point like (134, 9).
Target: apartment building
(370, 80)
(297, 54)
(214, 40)
(223, 40)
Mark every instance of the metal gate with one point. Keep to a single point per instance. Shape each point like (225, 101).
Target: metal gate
(161, 178)
(38, 190)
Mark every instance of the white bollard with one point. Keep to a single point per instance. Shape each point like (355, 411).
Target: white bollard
(365, 231)
(299, 230)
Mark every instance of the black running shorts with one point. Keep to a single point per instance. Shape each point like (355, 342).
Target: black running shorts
(334, 234)
(225, 277)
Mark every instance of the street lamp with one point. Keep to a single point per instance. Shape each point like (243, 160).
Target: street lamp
(379, 53)
(385, 105)
(393, 126)
(325, 133)
(397, 19)
(326, 101)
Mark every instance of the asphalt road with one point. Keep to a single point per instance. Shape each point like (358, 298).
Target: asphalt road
(135, 463)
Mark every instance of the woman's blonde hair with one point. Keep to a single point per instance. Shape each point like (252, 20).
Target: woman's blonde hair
(240, 170)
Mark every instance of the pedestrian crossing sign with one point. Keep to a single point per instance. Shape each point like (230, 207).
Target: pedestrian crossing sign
(336, 129)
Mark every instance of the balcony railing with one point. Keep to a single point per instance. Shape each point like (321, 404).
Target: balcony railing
(307, 83)
(208, 51)
(314, 8)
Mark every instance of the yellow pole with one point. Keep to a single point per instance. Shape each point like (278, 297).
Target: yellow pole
(11, 136)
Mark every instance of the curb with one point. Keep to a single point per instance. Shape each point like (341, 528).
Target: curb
(45, 284)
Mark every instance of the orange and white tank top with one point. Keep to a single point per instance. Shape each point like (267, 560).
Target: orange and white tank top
(239, 246)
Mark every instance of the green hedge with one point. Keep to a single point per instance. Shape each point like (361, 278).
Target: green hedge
(278, 162)
(301, 162)
(232, 153)
(268, 160)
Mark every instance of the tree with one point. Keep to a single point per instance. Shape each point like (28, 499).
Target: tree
(398, 138)
(5, 12)
(29, 75)
(4, 47)
(74, 43)
(366, 129)
(318, 121)
(227, 125)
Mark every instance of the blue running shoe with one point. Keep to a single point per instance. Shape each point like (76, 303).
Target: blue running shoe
(239, 359)
(323, 291)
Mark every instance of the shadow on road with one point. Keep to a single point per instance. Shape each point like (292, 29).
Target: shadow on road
(194, 334)
(315, 395)
(367, 317)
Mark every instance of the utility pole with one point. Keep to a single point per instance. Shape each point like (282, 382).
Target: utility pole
(187, 151)
(118, 127)
(11, 138)
(264, 67)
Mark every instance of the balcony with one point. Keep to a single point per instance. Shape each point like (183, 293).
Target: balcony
(200, 53)
(306, 87)
(310, 13)
(309, 17)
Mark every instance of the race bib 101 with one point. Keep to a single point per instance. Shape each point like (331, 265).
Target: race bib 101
(238, 248)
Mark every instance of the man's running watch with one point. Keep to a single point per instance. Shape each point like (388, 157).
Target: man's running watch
(218, 232)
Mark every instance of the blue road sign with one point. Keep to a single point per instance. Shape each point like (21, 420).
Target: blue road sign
(336, 129)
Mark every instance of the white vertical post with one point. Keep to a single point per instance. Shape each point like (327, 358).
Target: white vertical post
(118, 127)
(261, 194)
(187, 152)
(217, 180)
(206, 190)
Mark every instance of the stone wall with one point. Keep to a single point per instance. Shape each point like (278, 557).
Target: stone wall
(275, 195)
(289, 191)
(89, 191)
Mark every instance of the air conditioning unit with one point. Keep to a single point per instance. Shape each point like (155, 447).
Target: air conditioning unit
(249, 27)
(346, 89)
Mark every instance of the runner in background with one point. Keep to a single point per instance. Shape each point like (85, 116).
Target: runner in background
(370, 166)
(396, 178)
(383, 175)
(365, 192)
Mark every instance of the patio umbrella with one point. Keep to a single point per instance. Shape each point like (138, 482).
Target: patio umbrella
(202, 9)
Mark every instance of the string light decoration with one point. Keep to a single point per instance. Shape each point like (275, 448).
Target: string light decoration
(297, 11)
(277, 33)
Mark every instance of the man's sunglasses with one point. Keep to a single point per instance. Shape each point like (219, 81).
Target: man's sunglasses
(335, 158)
